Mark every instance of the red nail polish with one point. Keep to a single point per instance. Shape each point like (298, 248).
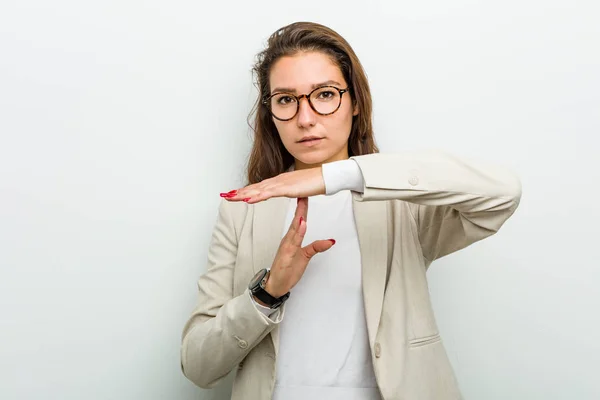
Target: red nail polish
(332, 241)
(232, 192)
(246, 199)
(227, 195)
(301, 219)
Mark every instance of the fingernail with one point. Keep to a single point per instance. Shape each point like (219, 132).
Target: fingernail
(247, 199)
(301, 219)
(332, 241)
(232, 192)
(226, 195)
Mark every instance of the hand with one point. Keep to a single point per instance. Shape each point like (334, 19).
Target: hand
(301, 183)
(292, 259)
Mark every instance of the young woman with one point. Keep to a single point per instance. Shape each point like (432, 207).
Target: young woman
(354, 321)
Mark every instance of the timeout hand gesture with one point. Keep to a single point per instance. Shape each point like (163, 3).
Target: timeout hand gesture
(292, 259)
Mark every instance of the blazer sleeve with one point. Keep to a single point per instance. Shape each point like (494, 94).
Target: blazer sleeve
(454, 201)
(222, 328)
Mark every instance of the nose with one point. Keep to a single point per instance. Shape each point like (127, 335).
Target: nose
(306, 115)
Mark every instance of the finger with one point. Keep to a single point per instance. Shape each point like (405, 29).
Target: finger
(255, 193)
(302, 207)
(246, 194)
(318, 246)
(298, 235)
(257, 196)
(230, 194)
(234, 195)
(301, 211)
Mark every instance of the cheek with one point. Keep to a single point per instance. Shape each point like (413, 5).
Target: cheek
(340, 126)
(284, 130)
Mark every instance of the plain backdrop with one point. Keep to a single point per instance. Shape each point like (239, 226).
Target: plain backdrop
(122, 121)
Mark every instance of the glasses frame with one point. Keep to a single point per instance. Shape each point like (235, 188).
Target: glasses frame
(267, 101)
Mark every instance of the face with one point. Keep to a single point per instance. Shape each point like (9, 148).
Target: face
(302, 73)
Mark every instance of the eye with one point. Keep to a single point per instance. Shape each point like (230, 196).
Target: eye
(326, 94)
(284, 100)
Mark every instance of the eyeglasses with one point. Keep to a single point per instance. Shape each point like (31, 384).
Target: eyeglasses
(324, 100)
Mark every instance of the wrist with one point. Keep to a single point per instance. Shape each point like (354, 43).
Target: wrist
(263, 296)
(277, 293)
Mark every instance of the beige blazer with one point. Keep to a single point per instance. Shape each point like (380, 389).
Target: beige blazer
(416, 207)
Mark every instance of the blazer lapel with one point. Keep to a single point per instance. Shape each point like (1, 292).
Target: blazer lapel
(267, 231)
(371, 225)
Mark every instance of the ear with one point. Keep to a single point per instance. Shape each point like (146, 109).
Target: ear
(355, 110)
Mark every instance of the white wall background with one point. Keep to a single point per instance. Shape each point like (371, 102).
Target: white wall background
(121, 121)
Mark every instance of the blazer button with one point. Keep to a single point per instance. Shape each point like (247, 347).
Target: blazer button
(413, 180)
(377, 350)
(243, 344)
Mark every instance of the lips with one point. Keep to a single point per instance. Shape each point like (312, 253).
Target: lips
(311, 142)
(309, 139)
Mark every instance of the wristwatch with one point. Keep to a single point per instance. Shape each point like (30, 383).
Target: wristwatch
(257, 288)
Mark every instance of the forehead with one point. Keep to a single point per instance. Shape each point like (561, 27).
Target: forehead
(303, 70)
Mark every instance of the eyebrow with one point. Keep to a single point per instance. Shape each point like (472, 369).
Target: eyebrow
(314, 86)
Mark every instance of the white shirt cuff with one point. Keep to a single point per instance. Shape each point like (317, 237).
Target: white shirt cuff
(342, 175)
(267, 312)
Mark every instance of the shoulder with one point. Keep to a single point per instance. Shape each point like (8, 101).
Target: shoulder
(233, 209)
(233, 214)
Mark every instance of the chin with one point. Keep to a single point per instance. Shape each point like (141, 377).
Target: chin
(313, 158)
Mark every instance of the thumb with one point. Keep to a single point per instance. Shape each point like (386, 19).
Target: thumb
(318, 246)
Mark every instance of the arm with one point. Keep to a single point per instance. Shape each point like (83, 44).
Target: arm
(455, 202)
(222, 328)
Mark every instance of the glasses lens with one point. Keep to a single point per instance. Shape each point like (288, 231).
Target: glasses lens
(283, 105)
(325, 100)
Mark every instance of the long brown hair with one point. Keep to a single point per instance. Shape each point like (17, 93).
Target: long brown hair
(269, 157)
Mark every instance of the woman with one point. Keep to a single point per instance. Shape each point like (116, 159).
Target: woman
(357, 322)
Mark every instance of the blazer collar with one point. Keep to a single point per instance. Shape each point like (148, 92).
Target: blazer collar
(371, 224)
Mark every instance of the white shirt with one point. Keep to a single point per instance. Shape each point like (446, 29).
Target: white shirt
(324, 351)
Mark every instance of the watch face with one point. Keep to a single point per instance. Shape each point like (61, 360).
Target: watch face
(257, 278)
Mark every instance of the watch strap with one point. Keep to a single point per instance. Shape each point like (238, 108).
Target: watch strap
(273, 302)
